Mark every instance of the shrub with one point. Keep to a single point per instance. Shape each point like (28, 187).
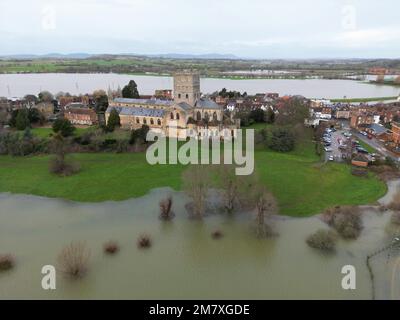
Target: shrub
(395, 204)
(74, 259)
(6, 262)
(322, 240)
(165, 209)
(217, 234)
(64, 127)
(282, 140)
(395, 218)
(113, 121)
(22, 120)
(144, 242)
(111, 247)
(61, 167)
(346, 220)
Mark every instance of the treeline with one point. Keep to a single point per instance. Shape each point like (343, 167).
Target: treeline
(284, 125)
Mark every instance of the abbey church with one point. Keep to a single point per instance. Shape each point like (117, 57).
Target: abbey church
(188, 112)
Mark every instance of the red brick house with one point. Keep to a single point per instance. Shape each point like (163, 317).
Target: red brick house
(358, 119)
(396, 133)
(82, 116)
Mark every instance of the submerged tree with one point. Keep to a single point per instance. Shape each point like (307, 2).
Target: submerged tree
(229, 184)
(324, 240)
(254, 195)
(7, 262)
(74, 259)
(166, 212)
(265, 207)
(196, 181)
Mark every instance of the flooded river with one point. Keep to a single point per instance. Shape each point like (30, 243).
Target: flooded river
(185, 262)
(17, 85)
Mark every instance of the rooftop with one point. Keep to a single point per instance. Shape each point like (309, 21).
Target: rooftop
(206, 104)
(137, 111)
(144, 101)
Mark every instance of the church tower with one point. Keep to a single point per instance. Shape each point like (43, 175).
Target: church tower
(187, 87)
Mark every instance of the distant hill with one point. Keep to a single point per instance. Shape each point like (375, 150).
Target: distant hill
(209, 56)
(195, 56)
(46, 56)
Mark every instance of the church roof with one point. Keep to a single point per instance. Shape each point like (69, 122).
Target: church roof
(137, 111)
(206, 104)
(185, 106)
(144, 101)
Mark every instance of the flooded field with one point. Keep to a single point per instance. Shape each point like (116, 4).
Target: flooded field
(184, 262)
(15, 85)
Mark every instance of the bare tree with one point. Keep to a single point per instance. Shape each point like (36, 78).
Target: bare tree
(59, 164)
(265, 207)
(228, 183)
(73, 260)
(196, 181)
(255, 196)
(166, 212)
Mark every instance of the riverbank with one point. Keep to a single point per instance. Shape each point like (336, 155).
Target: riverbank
(301, 187)
(361, 100)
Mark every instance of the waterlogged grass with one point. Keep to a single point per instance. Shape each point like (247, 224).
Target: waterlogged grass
(301, 185)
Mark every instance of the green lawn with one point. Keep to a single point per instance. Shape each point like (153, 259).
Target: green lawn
(43, 132)
(301, 185)
(367, 147)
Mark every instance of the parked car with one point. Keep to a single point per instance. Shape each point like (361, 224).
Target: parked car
(328, 149)
(330, 158)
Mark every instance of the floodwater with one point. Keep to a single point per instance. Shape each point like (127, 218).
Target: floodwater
(17, 85)
(184, 261)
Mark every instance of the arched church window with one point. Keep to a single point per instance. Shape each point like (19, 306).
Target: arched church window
(187, 96)
(172, 116)
(151, 121)
(159, 122)
(179, 95)
(144, 121)
(177, 116)
(198, 115)
(137, 120)
(215, 117)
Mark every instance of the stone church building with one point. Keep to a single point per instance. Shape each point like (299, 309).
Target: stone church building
(188, 113)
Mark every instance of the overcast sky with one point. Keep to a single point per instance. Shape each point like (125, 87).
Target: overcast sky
(246, 28)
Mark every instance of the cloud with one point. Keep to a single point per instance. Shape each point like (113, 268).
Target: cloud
(369, 37)
(254, 28)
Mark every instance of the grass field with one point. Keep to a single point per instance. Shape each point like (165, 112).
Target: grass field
(302, 186)
(367, 147)
(43, 132)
